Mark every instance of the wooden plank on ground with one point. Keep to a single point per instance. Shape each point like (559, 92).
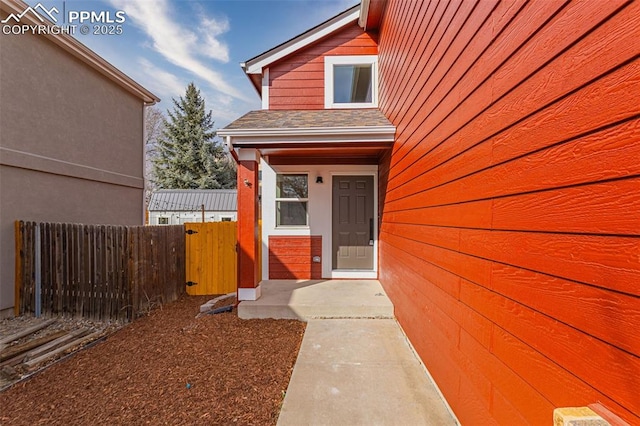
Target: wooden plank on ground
(27, 346)
(27, 331)
(57, 342)
(48, 355)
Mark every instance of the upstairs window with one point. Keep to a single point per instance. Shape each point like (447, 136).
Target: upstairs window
(352, 84)
(292, 198)
(351, 81)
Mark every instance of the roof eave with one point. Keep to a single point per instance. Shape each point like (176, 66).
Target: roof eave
(258, 63)
(84, 54)
(364, 12)
(306, 131)
(371, 12)
(376, 135)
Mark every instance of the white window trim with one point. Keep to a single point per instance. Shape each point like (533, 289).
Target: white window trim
(265, 89)
(280, 199)
(330, 61)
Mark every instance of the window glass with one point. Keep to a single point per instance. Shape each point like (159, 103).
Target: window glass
(291, 213)
(292, 192)
(163, 221)
(352, 83)
(291, 186)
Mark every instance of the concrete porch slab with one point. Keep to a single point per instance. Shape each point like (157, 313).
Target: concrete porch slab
(317, 299)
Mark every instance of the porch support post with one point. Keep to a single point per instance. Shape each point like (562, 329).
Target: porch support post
(248, 239)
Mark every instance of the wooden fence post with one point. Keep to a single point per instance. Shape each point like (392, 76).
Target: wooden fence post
(18, 272)
(38, 271)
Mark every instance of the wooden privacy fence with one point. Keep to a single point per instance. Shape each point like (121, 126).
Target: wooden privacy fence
(97, 271)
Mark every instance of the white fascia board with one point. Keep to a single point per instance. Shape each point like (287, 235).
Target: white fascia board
(364, 11)
(323, 131)
(260, 139)
(257, 137)
(256, 65)
(262, 143)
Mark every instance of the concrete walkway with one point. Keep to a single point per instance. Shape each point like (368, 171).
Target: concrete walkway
(360, 372)
(355, 366)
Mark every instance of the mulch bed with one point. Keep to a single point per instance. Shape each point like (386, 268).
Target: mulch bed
(166, 368)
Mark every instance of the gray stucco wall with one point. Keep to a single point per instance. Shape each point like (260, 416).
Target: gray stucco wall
(71, 146)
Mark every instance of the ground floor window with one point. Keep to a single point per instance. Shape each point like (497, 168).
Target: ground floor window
(292, 192)
(163, 221)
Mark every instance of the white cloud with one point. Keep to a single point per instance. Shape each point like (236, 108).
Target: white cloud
(212, 47)
(225, 100)
(161, 82)
(180, 45)
(222, 108)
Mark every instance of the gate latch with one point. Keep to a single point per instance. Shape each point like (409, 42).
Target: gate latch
(191, 283)
(191, 231)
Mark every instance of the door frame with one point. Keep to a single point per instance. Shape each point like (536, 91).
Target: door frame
(328, 270)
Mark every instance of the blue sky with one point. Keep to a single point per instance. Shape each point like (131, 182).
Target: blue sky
(165, 44)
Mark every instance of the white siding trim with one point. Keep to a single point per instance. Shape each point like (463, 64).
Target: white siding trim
(249, 154)
(249, 293)
(265, 89)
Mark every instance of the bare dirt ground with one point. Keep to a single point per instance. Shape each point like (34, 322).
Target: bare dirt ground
(166, 368)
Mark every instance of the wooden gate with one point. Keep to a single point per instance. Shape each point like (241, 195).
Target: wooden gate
(211, 259)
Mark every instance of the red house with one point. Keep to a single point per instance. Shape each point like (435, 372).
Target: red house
(481, 159)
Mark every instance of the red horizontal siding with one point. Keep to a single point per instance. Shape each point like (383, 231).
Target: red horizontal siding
(451, 134)
(605, 154)
(292, 257)
(297, 82)
(511, 201)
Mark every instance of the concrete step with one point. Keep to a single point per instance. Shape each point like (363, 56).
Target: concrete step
(318, 299)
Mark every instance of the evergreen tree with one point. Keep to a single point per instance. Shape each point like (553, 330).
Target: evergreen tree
(187, 157)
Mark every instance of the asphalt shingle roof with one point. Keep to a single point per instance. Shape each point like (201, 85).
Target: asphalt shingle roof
(305, 119)
(193, 199)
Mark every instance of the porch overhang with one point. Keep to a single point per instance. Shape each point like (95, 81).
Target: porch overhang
(331, 134)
